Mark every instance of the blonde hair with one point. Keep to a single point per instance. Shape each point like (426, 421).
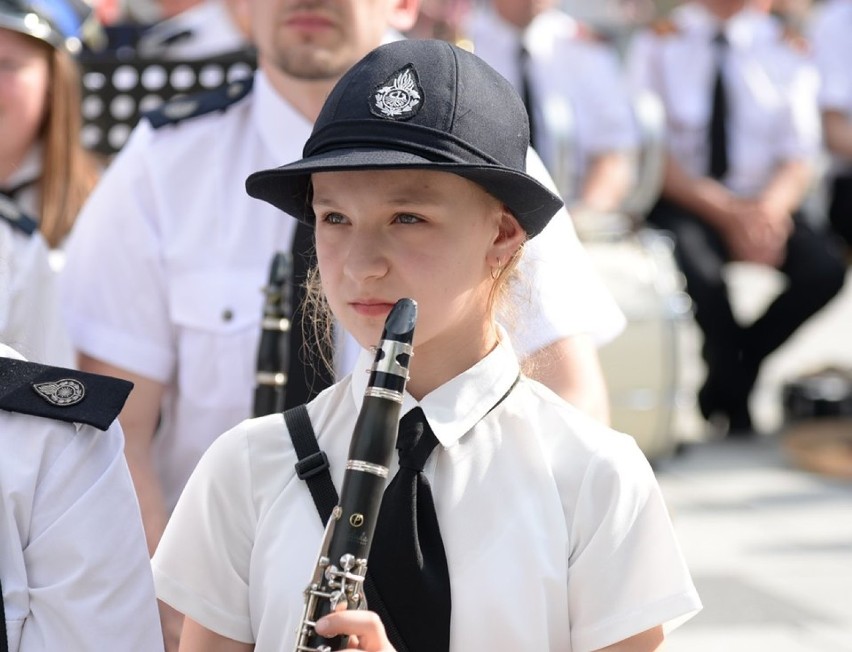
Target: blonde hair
(69, 172)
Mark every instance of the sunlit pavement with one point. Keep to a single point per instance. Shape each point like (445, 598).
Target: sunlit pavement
(769, 544)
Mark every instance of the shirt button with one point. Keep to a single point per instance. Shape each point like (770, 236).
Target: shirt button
(227, 315)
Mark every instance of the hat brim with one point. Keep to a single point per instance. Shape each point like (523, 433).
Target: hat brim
(286, 187)
(38, 28)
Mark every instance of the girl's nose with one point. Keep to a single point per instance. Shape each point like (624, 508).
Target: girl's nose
(365, 256)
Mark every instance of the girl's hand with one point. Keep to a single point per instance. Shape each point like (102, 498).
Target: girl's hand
(364, 628)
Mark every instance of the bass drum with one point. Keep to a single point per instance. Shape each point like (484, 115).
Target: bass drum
(643, 365)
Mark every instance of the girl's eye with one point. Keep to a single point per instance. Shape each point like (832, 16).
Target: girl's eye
(407, 218)
(334, 218)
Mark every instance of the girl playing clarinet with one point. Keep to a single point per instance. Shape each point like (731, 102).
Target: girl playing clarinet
(525, 526)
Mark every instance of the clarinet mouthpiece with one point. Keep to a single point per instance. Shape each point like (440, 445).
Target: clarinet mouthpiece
(399, 324)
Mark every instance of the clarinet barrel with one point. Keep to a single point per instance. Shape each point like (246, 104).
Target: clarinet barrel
(273, 353)
(342, 562)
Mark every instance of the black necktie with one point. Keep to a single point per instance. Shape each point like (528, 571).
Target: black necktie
(718, 132)
(526, 88)
(307, 374)
(4, 641)
(407, 562)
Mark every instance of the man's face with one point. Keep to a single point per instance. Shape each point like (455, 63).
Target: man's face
(320, 39)
(520, 13)
(725, 8)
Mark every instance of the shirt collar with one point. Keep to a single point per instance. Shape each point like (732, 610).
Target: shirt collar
(29, 170)
(459, 404)
(280, 125)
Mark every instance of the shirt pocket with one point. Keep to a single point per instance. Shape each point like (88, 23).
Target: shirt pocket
(217, 318)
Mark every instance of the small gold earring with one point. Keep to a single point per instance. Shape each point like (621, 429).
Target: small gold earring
(495, 271)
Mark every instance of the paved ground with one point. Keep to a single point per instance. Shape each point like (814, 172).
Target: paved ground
(769, 544)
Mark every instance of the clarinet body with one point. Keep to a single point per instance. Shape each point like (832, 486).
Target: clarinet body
(273, 353)
(342, 562)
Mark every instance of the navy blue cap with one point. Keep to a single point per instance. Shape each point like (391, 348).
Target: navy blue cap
(422, 104)
(65, 24)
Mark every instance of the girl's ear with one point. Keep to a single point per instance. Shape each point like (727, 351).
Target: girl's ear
(510, 237)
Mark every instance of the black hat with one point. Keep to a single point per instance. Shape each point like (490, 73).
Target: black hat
(64, 24)
(419, 104)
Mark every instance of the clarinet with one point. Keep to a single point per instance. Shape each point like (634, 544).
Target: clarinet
(273, 353)
(342, 562)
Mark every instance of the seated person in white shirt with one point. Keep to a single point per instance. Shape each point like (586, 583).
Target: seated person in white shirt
(582, 120)
(735, 179)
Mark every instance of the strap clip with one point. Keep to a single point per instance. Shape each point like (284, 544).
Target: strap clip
(312, 465)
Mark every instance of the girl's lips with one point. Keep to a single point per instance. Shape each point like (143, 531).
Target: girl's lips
(371, 308)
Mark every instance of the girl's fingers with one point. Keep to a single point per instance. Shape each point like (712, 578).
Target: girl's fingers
(364, 625)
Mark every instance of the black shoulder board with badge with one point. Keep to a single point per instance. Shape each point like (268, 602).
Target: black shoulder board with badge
(10, 212)
(192, 106)
(62, 394)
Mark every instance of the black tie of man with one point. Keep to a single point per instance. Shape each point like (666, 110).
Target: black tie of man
(527, 94)
(718, 132)
(407, 563)
(307, 374)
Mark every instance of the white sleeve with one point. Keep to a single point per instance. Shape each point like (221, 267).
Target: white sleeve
(201, 567)
(88, 573)
(830, 39)
(610, 116)
(113, 285)
(627, 573)
(803, 134)
(558, 294)
(30, 312)
(638, 63)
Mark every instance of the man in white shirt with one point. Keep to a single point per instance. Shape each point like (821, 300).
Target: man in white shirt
(576, 94)
(742, 137)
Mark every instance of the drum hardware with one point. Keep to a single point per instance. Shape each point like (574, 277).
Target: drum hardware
(817, 432)
(643, 365)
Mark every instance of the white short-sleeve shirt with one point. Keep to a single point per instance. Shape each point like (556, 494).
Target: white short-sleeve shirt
(555, 531)
(73, 560)
(576, 83)
(167, 260)
(771, 91)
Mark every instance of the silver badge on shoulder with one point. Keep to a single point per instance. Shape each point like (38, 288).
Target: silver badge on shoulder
(399, 97)
(180, 108)
(63, 392)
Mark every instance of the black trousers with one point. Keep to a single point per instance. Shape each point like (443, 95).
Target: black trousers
(815, 271)
(840, 208)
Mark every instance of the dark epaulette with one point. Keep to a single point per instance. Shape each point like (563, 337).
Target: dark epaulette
(192, 106)
(11, 213)
(62, 394)
(664, 27)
